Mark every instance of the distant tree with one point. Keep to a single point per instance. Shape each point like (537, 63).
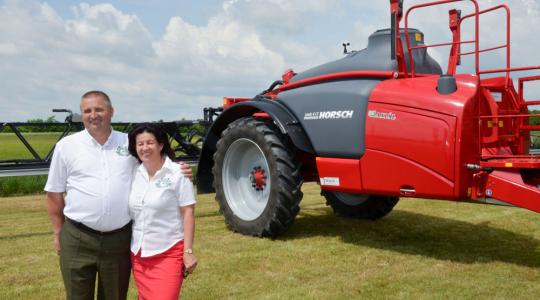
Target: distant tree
(6, 129)
(47, 128)
(535, 120)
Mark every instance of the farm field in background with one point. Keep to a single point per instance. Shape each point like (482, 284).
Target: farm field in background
(12, 148)
(422, 250)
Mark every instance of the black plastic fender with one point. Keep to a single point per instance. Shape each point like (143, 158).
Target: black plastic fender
(280, 115)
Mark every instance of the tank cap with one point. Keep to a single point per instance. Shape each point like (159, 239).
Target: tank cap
(446, 84)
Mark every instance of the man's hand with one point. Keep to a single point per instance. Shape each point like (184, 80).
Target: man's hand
(57, 243)
(55, 207)
(186, 170)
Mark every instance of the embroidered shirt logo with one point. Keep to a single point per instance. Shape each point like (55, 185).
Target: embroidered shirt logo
(163, 182)
(122, 151)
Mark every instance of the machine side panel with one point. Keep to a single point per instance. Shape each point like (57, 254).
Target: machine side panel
(456, 123)
(423, 137)
(332, 114)
(390, 174)
(340, 175)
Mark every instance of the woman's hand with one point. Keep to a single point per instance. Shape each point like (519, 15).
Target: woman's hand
(190, 262)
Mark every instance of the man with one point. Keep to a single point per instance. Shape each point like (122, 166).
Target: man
(91, 224)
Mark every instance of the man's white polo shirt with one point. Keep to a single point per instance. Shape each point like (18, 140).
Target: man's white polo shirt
(96, 179)
(154, 206)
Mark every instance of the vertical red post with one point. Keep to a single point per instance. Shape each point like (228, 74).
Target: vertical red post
(454, 24)
(396, 11)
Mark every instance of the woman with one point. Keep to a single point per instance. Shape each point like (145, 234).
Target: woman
(162, 205)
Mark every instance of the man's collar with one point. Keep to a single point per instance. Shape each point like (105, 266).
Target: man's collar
(90, 139)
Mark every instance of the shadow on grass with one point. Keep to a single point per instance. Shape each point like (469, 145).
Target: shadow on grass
(208, 215)
(24, 235)
(418, 234)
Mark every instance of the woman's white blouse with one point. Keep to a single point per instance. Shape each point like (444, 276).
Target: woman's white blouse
(154, 206)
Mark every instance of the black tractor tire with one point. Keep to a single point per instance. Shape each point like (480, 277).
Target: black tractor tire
(257, 178)
(370, 207)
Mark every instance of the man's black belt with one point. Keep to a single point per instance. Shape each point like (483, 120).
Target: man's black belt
(83, 227)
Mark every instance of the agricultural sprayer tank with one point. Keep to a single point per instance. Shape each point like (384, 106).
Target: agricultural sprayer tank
(379, 124)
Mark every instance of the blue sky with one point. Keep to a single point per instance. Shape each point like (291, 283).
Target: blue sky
(155, 14)
(170, 59)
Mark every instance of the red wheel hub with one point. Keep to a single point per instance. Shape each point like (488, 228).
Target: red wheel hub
(258, 178)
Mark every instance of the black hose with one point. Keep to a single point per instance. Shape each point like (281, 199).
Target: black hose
(272, 86)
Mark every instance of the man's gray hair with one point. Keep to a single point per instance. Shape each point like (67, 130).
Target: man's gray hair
(98, 93)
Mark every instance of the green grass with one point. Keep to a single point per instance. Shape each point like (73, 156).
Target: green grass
(422, 250)
(12, 148)
(24, 185)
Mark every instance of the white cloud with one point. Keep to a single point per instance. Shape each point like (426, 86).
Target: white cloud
(7, 49)
(48, 61)
(214, 51)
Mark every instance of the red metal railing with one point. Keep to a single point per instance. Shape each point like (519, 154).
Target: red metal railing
(520, 93)
(476, 52)
(510, 127)
(423, 5)
(508, 130)
(507, 45)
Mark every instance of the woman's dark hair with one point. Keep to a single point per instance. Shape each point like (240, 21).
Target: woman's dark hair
(159, 134)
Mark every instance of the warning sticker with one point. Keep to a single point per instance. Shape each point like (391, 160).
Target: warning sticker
(333, 181)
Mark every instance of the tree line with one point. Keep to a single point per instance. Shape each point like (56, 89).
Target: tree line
(54, 125)
(50, 127)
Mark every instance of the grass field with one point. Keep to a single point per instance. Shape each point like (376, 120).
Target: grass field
(12, 148)
(422, 250)
(26, 185)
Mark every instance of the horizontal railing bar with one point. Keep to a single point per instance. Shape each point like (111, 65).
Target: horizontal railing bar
(529, 127)
(530, 156)
(24, 172)
(442, 44)
(483, 50)
(531, 102)
(510, 70)
(510, 116)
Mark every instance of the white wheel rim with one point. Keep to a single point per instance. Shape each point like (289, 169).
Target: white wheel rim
(244, 157)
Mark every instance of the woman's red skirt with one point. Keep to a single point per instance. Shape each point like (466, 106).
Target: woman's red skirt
(159, 277)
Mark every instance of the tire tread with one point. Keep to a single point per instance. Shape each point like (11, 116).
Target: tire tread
(288, 192)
